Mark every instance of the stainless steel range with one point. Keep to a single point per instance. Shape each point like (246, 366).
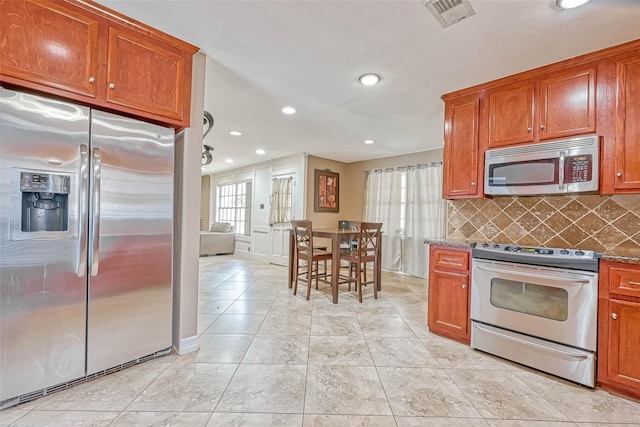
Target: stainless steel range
(537, 307)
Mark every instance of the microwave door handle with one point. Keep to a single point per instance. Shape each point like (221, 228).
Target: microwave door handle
(561, 171)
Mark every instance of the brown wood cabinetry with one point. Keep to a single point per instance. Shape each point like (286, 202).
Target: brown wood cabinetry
(449, 291)
(563, 106)
(619, 328)
(462, 177)
(79, 50)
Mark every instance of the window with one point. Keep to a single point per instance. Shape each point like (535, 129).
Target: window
(234, 206)
(281, 210)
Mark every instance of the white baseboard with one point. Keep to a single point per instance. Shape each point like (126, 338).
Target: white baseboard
(188, 345)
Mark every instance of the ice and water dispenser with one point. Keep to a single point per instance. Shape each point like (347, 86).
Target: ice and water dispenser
(45, 202)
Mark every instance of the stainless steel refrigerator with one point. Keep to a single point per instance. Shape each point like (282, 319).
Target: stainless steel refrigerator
(86, 234)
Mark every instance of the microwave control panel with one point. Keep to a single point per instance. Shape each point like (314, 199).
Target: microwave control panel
(578, 168)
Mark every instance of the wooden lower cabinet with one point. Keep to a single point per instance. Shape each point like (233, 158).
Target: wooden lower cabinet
(619, 328)
(449, 286)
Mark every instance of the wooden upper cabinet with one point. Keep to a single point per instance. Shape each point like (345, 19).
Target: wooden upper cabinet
(627, 136)
(461, 173)
(79, 50)
(49, 44)
(146, 75)
(567, 104)
(560, 104)
(511, 115)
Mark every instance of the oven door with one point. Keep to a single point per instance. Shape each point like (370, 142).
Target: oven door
(549, 303)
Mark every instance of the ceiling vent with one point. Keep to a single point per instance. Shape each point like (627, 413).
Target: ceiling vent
(448, 12)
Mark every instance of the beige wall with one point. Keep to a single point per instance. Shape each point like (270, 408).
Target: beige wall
(352, 181)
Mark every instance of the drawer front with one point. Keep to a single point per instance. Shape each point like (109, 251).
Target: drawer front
(451, 259)
(624, 281)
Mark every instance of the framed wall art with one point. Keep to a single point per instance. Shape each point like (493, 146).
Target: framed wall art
(326, 191)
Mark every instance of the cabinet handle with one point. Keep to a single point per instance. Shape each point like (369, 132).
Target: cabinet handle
(614, 316)
(529, 129)
(112, 85)
(619, 174)
(542, 127)
(473, 183)
(92, 79)
(464, 286)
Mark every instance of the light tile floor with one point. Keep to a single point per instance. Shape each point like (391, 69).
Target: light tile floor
(268, 358)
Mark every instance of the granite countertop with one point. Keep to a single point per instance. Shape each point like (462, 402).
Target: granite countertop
(619, 256)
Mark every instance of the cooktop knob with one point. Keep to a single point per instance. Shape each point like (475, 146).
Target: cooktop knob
(496, 246)
(564, 251)
(579, 252)
(485, 245)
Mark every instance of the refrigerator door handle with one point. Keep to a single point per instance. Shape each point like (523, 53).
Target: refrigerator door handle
(84, 209)
(95, 215)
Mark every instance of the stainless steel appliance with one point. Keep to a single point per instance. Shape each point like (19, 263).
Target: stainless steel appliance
(537, 307)
(86, 231)
(568, 166)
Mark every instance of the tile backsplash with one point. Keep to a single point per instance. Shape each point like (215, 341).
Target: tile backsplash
(607, 224)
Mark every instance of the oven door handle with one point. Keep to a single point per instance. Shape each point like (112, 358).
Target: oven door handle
(537, 276)
(531, 344)
(561, 171)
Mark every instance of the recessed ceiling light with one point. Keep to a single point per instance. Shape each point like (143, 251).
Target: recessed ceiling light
(570, 4)
(369, 141)
(260, 151)
(229, 160)
(289, 110)
(235, 133)
(369, 79)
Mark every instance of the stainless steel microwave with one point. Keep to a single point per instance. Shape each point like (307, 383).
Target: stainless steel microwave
(568, 166)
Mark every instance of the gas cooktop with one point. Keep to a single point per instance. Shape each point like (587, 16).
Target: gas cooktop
(553, 257)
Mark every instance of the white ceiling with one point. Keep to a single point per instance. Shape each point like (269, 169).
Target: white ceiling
(264, 55)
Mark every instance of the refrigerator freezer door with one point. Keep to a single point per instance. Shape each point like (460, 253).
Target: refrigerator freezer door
(42, 274)
(130, 260)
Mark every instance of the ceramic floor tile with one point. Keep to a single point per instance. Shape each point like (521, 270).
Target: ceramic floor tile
(255, 420)
(402, 352)
(178, 419)
(112, 392)
(440, 422)
(502, 395)
(424, 392)
(375, 326)
(185, 387)
(205, 320)
(418, 325)
(249, 307)
(522, 423)
(581, 404)
(291, 349)
(345, 390)
(218, 348)
(220, 294)
(236, 324)
(348, 420)
(452, 354)
(340, 350)
(259, 292)
(265, 388)
(211, 306)
(10, 415)
(285, 325)
(291, 307)
(335, 325)
(378, 307)
(324, 307)
(66, 419)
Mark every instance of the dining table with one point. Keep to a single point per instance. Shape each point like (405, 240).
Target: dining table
(336, 235)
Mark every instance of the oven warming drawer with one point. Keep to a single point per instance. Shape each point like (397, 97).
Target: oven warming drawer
(567, 362)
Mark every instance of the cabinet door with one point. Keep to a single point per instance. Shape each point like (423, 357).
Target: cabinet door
(448, 304)
(49, 44)
(461, 167)
(624, 343)
(627, 144)
(146, 75)
(567, 104)
(511, 115)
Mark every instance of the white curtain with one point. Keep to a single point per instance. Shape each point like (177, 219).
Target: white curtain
(281, 192)
(383, 203)
(424, 218)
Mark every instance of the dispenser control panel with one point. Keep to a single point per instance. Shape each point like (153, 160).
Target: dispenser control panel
(44, 182)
